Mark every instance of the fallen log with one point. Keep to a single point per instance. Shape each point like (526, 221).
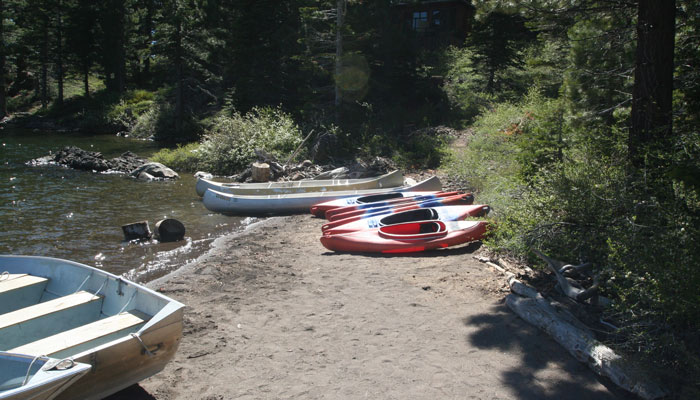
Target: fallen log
(531, 306)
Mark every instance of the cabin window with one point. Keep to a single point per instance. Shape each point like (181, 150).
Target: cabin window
(436, 20)
(420, 21)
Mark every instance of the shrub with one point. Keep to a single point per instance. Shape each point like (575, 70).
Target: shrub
(132, 105)
(231, 141)
(182, 158)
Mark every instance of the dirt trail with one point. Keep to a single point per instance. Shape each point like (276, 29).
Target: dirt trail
(272, 314)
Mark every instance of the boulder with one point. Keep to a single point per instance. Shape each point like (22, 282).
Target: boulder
(203, 175)
(157, 170)
(169, 230)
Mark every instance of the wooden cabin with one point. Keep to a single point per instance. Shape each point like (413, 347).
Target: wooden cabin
(436, 23)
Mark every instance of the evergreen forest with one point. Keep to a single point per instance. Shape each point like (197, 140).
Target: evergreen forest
(581, 117)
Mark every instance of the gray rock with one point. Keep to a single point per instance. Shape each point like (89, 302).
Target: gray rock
(158, 170)
(203, 175)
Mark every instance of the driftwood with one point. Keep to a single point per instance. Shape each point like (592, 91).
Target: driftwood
(579, 341)
(570, 287)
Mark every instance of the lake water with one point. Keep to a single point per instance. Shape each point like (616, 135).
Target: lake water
(77, 215)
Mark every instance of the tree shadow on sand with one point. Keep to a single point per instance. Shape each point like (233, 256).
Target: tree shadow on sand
(448, 252)
(504, 331)
(133, 392)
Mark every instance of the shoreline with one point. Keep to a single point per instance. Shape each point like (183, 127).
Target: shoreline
(272, 314)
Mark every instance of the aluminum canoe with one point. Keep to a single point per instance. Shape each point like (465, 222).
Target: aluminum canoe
(388, 180)
(226, 203)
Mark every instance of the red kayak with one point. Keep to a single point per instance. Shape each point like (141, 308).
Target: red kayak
(407, 237)
(458, 199)
(319, 210)
(328, 208)
(385, 218)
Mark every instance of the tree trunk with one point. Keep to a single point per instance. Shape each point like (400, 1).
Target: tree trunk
(179, 108)
(59, 53)
(651, 119)
(86, 79)
(340, 5)
(3, 94)
(45, 63)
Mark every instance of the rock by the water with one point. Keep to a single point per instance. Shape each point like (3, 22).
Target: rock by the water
(157, 170)
(203, 175)
(77, 158)
(136, 230)
(145, 176)
(169, 230)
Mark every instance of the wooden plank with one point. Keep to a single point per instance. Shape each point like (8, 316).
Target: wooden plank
(19, 281)
(19, 291)
(47, 307)
(83, 334)
(8, 277)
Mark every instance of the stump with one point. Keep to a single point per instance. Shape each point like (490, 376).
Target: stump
(136, 230)
(260, 172)
(169, 230)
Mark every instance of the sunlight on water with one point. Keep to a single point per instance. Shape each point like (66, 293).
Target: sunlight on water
(53, 211)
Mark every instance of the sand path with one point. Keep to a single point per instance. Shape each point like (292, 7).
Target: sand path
(273, 315)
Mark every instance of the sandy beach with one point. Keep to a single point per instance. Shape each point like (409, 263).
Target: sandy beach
(272, 314)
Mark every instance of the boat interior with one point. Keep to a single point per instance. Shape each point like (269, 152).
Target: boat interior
(61, 311)
(379, 197)
(422, 214)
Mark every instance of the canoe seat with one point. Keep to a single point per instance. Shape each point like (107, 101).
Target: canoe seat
(48, 318)
(19, 291)
(94, 334)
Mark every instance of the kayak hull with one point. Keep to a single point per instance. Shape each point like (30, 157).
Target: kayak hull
(458, 199)
(386, 218)
(407, 238)
(326, 209)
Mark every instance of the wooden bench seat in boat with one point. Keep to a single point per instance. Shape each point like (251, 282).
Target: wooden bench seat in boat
(48, 318)
(94, 334)
(19, 291)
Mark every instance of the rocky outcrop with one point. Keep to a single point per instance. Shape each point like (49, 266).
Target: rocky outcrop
(154, 170)
(127, 163)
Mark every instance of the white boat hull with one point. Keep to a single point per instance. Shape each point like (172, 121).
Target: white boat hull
(294, 203)
(391, 179)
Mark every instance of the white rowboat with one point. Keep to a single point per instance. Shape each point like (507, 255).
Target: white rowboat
(63, 309)
(226, 203)
(391, 179)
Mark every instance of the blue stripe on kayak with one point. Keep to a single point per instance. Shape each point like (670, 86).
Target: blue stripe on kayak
(386, 203)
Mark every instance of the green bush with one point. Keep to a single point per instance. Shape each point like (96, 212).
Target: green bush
(131, 106)
(231, 141)
(182, 158)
